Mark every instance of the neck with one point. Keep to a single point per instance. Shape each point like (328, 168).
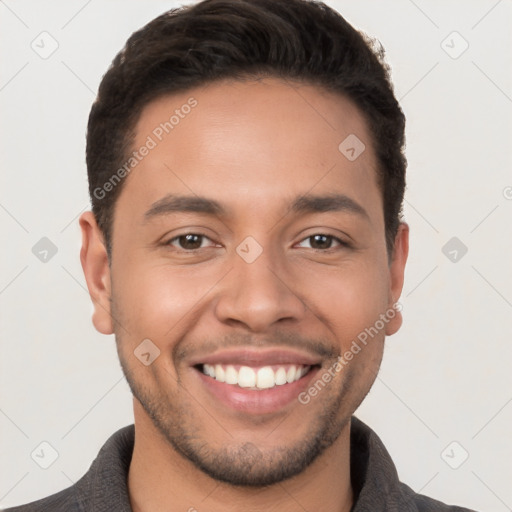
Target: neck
(160, 479)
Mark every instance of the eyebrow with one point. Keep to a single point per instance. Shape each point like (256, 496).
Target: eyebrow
(174, 203)
(301, 205)
(328, 203)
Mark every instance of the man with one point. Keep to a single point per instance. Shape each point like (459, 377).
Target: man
(246, 248)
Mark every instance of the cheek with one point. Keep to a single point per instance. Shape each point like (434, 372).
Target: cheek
(348, 300)
(156, 302)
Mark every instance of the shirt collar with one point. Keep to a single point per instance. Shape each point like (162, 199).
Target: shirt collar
(373, 473)
(374, 478)
(104, 487)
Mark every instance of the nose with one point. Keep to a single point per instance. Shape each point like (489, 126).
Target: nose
(258, 295)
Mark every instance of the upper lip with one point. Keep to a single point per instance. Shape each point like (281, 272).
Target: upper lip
(252, 357)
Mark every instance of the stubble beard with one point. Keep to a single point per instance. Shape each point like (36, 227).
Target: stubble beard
(243, 464)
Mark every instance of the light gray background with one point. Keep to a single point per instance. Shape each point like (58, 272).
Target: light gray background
(446, 375)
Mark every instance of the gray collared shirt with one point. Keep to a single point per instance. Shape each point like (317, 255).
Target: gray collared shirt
(374, 479)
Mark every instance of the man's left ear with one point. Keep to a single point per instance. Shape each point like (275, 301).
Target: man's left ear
(396, 275)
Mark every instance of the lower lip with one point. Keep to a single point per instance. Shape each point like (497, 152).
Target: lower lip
(256, 402)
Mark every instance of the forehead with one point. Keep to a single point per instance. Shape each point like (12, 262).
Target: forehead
(253, 144)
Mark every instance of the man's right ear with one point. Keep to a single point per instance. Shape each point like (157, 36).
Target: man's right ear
(94, 259)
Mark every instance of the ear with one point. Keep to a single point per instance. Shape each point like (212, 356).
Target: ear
(396, 276)
(94, 259)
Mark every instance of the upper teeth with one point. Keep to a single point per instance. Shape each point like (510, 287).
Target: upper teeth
(261, 378)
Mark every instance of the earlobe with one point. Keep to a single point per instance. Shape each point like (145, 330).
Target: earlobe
(94, 259)
(396, 275)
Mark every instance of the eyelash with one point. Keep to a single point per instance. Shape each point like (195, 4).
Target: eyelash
(342, 243)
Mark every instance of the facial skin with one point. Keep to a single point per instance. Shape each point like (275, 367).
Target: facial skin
(254, 147)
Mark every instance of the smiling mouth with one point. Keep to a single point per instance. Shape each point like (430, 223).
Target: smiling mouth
(256, 378)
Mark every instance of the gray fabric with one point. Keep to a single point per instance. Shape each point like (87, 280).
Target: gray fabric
(374, 478)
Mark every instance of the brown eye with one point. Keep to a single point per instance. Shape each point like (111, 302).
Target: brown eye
(188, 242)
(322, 242)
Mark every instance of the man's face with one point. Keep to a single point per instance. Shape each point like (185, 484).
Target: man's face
(266, 264)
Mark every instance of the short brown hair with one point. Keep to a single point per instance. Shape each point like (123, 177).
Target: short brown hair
(189, 46)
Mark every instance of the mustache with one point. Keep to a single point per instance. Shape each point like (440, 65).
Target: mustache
(316, 347)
